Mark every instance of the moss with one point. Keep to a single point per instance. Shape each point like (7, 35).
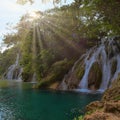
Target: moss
(95, 76)
(114, 66)
(56, 73)
(90, 112)
(80, 72)
(26, 76)
(80, 69)
(3, 83)
(117, 98)
(54, 85)
(45, 82)
(79, 118)
(113, 93)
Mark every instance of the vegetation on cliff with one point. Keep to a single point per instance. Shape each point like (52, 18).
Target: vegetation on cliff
(57, 35)
(50, 44)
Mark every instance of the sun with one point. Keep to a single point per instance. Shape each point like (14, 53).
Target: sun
(33, 15)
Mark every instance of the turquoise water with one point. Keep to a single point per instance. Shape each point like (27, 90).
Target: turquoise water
(22, 103)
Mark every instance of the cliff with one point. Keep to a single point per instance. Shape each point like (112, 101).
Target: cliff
(96, 69)
(108, 108)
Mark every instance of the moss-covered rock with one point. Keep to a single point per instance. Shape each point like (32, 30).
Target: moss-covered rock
(26, 77)
(113, 67)
(45, 82)
(72, 79)
(113, 93)
(54, 85)
(80, 72)
(56, 73)
(95, 76)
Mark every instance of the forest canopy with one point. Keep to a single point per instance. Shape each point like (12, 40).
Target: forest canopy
(97, 16)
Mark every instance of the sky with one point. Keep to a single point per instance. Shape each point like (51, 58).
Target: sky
(11, 12)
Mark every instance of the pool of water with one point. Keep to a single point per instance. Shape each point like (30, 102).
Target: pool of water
(20, 102)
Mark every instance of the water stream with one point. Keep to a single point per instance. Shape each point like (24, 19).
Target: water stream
(14, 71)
(105, 54)
(107, 57)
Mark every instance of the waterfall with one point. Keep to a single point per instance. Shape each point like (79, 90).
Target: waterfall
(14, 71)
(118, 68)
(105, 61)
(88, 64)
(105, 55)
(34, 78)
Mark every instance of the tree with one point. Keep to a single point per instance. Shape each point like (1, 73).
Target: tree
(58, 32)
(32, 1)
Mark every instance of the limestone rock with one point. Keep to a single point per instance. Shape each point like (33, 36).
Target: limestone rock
(94, 105)
(112, 107)
(95, 76)
(101, 116)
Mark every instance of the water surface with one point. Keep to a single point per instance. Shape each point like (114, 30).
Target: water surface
(20, 102)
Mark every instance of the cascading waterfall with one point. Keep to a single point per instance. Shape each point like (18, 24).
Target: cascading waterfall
(107, 58)
(118, 67)
(14, 71)
(34, 78)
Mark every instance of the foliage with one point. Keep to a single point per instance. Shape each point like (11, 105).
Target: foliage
(32, 1)
(79, 118)
(11, 39)
(24, 1)
(26, 60)
(56, 33)
(93, 18)
(3, 84)
(45, 60)
(56, 73)
(6, 59)
(113, 92)
(101, 16)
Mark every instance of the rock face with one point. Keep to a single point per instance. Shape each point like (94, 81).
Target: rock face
(101, 116)
(94, 106)
(72, 79)
(96, 69)
(103, 111)
(94, 77)
(70, 82)
(108, 108)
